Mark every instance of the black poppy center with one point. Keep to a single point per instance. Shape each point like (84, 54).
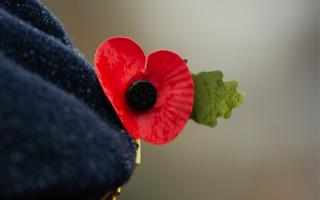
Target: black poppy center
(141, 95)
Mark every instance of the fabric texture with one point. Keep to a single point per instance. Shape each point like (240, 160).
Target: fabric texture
(61, 138)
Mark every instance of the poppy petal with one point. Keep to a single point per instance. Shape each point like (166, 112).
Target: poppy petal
(119, 61)
(170, 75)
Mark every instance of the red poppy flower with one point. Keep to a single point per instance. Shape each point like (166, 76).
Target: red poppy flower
(152, 95)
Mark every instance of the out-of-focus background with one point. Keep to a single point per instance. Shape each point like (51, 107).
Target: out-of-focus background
(268, 149)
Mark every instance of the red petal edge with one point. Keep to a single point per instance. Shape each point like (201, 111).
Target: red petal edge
(170, 75)
(119, 61)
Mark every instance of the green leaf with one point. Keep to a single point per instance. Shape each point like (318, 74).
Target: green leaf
(214, 98)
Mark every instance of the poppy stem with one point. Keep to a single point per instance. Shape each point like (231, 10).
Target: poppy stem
(138, 152)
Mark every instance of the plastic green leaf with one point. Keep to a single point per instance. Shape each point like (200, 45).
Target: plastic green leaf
(214, 98)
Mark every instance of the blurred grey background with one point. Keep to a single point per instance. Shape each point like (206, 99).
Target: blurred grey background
(268, 149)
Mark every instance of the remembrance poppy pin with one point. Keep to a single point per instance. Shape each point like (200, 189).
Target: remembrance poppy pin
(154, 94)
